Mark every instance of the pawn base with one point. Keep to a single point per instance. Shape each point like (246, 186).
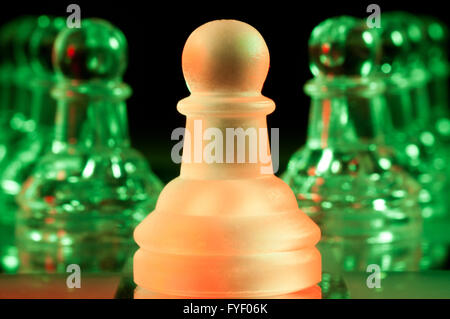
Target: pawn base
(313, 292)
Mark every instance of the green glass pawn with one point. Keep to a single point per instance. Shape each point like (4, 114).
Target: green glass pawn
(15, 121)
(14, 75)
(8, 253)
(17, 166)
(419, 150)
(345, 177)
(6, 73)
(85, 196)
(21, 121)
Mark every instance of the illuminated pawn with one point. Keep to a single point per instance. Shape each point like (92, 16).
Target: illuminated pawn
(6, 88)
(435, 51)
(24, 153)
(86, 195)
(8, 252)
(426, 66)
(6, 73)
(15, 121)
(226, 228)
(436, 59)
(419, 149)
(14, 82)
(21, 99)
(22, 158)
(345, 177)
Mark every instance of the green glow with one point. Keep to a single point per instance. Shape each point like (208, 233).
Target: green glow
(325, 161)
(368, 37)
(43, 21)
(385, 163)
(10, 187)
(427, 138)
(412, 150)
(53, 238)
(366, 68)
(343, 177)
(18, 123)
(314, 69)
(397, 38)
(425, 197)
(89, 168)
(66, 241)
(93, 63)
(35, 236)
(116, 170)
(436, 61)
(349, 263)
(436, 31)
(90, 188)
(114, 43)
(335, 166)
(33, 124)
(379, 204)
(59, 23)
(416, 96)
(414, 32)
(10, 262)
(386, 68)
(443, 126)
(386, 237)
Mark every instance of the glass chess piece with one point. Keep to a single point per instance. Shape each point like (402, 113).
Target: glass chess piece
(435, 52)
(8, 254)
(419, 149)
(20, 160)
(346, 178)
(15, 120)
(85, 196)
(15, 73)
(226, 228)
(19, 32)
(6, 73)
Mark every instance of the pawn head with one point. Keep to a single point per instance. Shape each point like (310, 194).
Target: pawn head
(41, 44)
(96, 51)
(404, 43)
(225, 56)
(436, 31)
(343, 46)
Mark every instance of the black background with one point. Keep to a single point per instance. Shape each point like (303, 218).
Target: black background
(156, 33)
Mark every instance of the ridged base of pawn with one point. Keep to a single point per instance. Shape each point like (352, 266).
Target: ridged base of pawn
(313, 292)
(228, 238)
(228, 276)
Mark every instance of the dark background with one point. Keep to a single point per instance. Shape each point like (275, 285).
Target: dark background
(156, 33)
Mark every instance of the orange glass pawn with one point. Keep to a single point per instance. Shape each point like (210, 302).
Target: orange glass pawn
(226, 228)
